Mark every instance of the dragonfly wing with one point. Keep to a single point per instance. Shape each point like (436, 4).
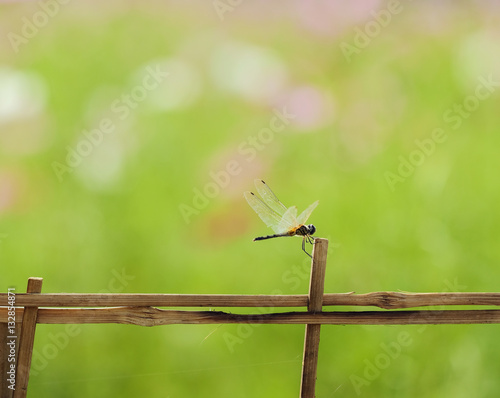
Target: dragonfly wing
(266, 214)
(289, 220)
(269, 197)
(306, 213)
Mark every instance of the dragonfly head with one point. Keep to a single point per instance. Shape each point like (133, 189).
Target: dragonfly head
(311, 228)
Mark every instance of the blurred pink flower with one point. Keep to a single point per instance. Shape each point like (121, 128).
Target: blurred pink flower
(331, 18)
(10, 187)
(312, 108)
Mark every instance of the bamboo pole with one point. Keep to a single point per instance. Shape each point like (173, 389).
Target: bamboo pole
(386, 300)
(26, 341)
(315, 305)
(149, 316)
(395, 300)
(5, 391)
(158, 300)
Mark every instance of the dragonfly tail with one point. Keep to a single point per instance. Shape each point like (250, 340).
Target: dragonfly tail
(270, 236)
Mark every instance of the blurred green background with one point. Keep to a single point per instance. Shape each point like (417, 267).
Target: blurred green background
(120, 122)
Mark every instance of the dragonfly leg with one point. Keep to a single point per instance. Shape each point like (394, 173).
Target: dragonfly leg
(304, 246)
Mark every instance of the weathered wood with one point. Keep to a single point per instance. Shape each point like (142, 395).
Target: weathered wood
(5, 391)
(148, 316)
(26, 341)
(315, 305)
(158, 300)
(395, 300)
(386, 300)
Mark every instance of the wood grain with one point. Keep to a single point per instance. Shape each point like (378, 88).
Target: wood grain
(5, 391)
(386, 300)
(315, 305)
(26, 341)
(149, 316)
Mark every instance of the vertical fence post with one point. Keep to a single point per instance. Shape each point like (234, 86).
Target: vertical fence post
(5, 391)
(26, 341)
(311, 339)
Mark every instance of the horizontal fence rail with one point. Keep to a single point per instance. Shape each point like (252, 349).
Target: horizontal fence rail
(149, 316)
(385, 300)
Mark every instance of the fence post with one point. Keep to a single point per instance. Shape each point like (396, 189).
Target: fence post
(311, 339)
(26, 341)
(5, 391)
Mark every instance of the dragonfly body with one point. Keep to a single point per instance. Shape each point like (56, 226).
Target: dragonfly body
(302, 230)
(284, 221)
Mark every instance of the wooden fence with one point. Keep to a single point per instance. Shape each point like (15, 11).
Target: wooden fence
(34, 307)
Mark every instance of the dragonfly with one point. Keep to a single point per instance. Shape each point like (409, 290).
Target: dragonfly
(284, 221)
